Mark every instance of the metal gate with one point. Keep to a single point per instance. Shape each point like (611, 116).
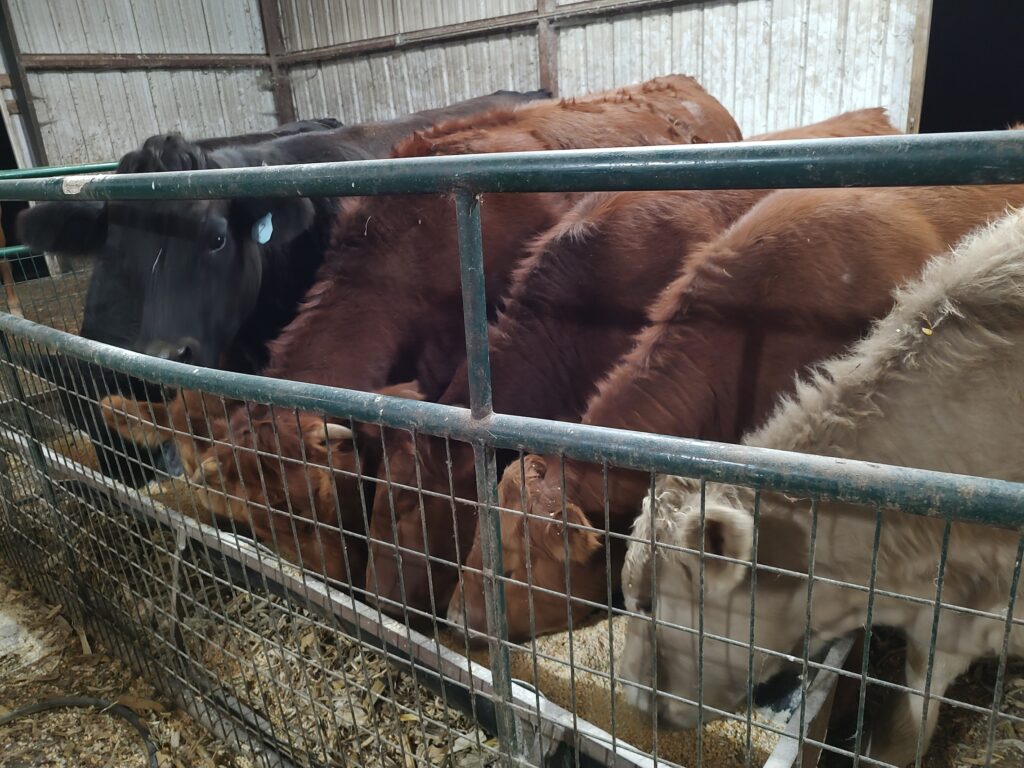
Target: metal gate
(164, 590)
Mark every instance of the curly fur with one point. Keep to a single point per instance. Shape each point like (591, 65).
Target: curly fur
(945, 322)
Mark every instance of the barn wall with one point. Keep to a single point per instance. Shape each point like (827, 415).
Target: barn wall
(773, 63)
(97, 116)
(127, 26)
(310, 24)
(14, 122)
(380, 86)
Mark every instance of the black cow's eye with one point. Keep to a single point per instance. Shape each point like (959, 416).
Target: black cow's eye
(217, 242)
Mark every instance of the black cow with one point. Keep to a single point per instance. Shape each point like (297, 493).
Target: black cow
(287, 129)
(215, 280)
(211, 282)
(113, 307)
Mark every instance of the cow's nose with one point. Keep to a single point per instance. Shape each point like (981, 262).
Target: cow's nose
(181, 351)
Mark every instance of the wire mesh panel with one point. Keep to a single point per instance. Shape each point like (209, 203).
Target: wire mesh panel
(253, 657)
(327, 577)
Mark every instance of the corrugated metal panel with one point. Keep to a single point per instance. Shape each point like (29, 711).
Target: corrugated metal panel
(416, 14)
(98, 116)
(318, 23)
(311, 24)
(123, 26)
(391, 84)
(772, 63)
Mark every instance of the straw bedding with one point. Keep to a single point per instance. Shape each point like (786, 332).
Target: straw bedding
(323, 695)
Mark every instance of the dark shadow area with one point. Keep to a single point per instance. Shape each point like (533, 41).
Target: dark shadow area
(974, 58)
(23, 268)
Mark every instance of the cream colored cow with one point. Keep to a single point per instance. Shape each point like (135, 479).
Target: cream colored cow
(938, 384)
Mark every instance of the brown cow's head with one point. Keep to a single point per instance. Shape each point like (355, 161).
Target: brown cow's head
(292, 480)
(673, 612)
(197, 420)
(539, 547)
(408, 524)
(414, 515)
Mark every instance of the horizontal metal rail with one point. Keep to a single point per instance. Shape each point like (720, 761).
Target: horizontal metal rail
(407, 647)
(979, 158)
(988, 157)
(923, 491)
(57, 170)
(15, 252)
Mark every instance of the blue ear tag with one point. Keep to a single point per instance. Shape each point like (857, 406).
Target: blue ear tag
(263, 229)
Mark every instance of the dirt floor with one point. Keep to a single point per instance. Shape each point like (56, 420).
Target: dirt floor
(43, 657)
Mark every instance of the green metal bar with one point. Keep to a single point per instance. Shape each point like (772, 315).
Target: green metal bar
(47, 171)
(932, 643)
(998, 688)
(869, 618)
(474, 302)
(990, 157)
(948, 496)
(15, 251)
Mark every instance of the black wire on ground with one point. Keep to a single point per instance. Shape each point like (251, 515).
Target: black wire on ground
(105, 707)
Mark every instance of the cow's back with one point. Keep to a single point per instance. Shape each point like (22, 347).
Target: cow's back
(377, 139)
(800, 276)
(397, 257)
(667, 110)
(873, 121)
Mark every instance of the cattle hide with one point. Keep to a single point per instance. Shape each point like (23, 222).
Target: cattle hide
(795, 280)
(574, 304)
(387, 305)
(936, 385)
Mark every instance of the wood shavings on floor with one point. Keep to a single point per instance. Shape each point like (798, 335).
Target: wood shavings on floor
(333, 697)
(961, 738)
(324, 697)
(587, 691)
(42, 656)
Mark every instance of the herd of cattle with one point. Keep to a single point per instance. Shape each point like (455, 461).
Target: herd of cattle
(688, 313)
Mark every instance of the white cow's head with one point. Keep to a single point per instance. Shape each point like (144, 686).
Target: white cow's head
(669, 599)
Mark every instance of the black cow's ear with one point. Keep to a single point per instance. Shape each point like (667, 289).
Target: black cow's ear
(70, 229)
(276, 220)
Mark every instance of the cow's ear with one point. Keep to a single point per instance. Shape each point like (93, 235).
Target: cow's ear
(275, 221)
(66, 228)
(728, 533)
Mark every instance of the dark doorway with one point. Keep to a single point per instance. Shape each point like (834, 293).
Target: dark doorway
(975, 57)
(23, 267)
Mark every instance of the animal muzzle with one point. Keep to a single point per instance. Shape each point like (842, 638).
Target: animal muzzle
(185, 350)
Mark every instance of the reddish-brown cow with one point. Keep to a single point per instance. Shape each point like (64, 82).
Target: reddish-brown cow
(387, 306)
(387, 302)
(573, 308)
(795, 280)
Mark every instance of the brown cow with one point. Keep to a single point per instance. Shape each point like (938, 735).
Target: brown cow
(575, 303)
(936, 385)
(387, 301)
(795, 280)
(186, 419)
(389, 296)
